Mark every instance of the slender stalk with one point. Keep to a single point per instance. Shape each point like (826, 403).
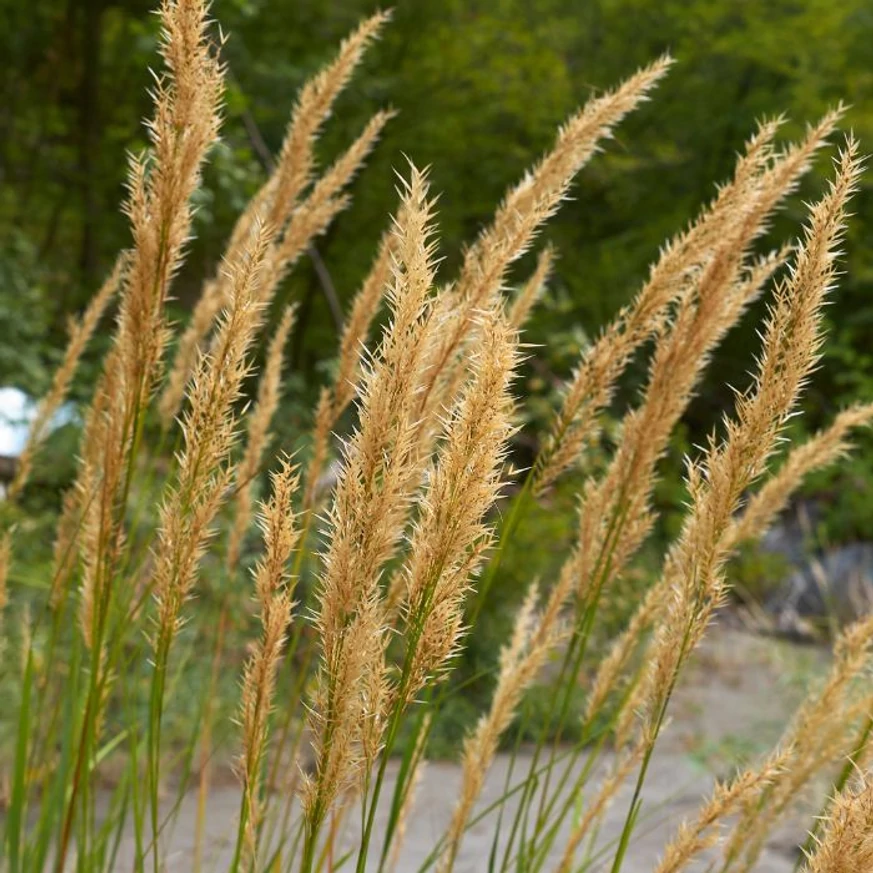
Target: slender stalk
(521, 504)
(636, 800)
(206, 741)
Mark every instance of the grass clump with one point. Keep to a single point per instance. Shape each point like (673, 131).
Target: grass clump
(366, 587)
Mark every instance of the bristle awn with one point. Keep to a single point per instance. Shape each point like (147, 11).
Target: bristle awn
(846, 841)
(817, 452)
(521, 214)
(854, 762)
(532, 290)
(694, 837)
(819, 737)
(334, 400)
(448, 541)
(674, 276)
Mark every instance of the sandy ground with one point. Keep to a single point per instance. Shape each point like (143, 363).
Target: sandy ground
(735, 700)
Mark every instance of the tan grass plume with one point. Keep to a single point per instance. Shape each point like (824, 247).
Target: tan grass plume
(368, 513)
(818, 451)
(209, 432)
(80, 332)
(258, 436)
(792, 339)
(274, 593)
(279, 199)
(451, 531)
(523, 211)
(334, 400)
(532, 290)
(846, 846)
(703, 832)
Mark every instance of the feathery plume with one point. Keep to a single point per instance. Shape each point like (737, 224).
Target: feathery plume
(450, 534)
(93, 498)
(357, 326)
(736, 216)
(64, 552)
(320, 207)
(333, 401)
(791, 343)
(609, 671)
(537, 196)
(207, 308)
(213, 298)
(278, 200)
(447, 542)
(259, 421)
(185, 125)
(380, 471)
(187, 115)
(532, 290)
(751, 524)
(209, 432)
(846, 846)
(695, 564)
(818, 451)
(308, 221)
(204, 473)
(80, 333)
(702, 833)
(274, 591)
(296, 161)
(524, 209)
(719, 295)
(819, 735)
(186, 120)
